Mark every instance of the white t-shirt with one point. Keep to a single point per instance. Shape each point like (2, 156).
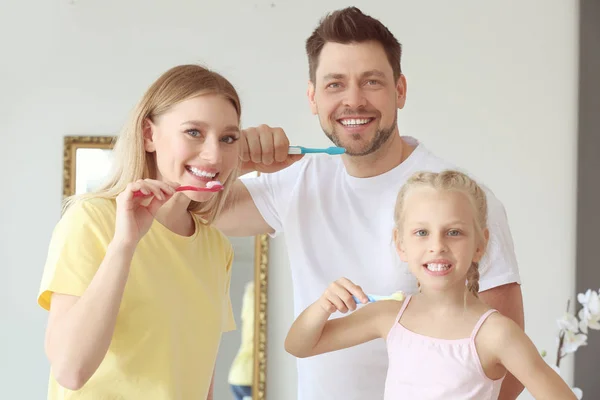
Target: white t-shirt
(338, 226)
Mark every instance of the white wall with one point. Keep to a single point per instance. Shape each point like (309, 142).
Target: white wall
(491, 86)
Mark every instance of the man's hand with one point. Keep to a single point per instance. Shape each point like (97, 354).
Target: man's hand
(265, 149)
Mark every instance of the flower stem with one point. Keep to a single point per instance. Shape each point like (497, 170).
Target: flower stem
(561, 340)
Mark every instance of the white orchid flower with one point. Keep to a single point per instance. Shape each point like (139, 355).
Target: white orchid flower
(589, 315)
(568, 322)
(591, 321)
(573, 341)
(590, 300)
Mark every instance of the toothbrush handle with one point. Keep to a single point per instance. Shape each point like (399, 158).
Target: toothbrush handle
(369, 297)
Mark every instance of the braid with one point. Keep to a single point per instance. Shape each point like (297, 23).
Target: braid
(473, 279)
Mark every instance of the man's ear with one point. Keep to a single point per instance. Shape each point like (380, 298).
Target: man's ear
(310, 93)
(401, 91)
(148, 131)
(480, 251)
(399, 245)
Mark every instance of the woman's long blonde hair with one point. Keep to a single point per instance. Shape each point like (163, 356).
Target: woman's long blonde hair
(130, 160)
(450, 181)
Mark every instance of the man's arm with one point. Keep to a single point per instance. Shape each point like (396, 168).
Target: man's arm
(240, 216)
(508, 300)
(211, 389)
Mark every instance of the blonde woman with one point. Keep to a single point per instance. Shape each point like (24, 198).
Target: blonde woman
(137, 287)
(443, 342)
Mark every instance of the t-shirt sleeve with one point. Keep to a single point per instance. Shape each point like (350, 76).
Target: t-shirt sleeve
(499, 264)
(227, 317)
(271, 193)
(77, 248)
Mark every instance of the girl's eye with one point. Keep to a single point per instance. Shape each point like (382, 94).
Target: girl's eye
(421, 232)
(453, 232)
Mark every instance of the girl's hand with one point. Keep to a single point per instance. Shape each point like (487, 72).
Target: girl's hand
(338, 296)
(136, 214)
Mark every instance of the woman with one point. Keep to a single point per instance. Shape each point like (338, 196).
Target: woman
(137, 280)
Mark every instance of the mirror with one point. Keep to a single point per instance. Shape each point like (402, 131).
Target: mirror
(86, 161)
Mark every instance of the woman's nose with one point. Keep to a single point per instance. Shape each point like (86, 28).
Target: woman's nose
(211, 151)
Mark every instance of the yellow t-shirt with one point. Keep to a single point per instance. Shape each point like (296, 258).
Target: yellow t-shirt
(242, 367)
(175, 306)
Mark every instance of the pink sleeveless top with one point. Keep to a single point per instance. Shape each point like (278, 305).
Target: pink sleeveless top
(426, 368)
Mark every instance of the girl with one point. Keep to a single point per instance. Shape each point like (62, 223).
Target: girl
(443, 343)
(137, 287)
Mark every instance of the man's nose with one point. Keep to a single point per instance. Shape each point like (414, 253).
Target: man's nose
(354, 97)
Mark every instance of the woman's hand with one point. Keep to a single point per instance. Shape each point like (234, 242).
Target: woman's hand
(136, 214)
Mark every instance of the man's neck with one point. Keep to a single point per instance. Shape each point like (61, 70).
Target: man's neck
(387, 157)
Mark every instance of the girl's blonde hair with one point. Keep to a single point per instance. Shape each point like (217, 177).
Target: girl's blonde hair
(450, 181)
(130, 160)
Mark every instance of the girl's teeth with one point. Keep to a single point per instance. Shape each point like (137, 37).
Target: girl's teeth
(437, 267)
(354, 122)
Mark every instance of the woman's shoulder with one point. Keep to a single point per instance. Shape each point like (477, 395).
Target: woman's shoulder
(90, 211)
(92, 207)
(214, 236)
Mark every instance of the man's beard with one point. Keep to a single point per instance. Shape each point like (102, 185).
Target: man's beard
(381, 136)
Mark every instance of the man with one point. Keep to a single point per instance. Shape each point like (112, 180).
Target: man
(337, 212)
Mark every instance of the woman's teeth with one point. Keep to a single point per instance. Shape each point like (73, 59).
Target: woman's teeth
(437, 267)
(199, 172)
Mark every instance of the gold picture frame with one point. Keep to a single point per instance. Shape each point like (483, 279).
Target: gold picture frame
(261, 259)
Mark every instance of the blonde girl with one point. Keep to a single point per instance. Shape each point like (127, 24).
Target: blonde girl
(137, 287)
(443, 342)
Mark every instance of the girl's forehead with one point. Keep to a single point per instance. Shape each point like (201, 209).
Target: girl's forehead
(434, 204)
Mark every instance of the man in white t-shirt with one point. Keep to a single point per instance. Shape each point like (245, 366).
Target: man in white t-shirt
(337, 211)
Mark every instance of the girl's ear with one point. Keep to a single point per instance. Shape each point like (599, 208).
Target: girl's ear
(399, 245)
(480, 251)
(148, 129)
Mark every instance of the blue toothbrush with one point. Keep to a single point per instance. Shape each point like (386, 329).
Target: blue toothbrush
(398, 296)
(306, 150)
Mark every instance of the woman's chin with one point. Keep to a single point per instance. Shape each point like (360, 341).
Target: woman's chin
(200, 197)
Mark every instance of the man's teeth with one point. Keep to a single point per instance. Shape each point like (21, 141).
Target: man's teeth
(437, 267)
(355, 122)
(199, 172)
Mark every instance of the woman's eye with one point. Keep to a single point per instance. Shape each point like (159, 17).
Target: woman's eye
(229, 139)
(193, 132)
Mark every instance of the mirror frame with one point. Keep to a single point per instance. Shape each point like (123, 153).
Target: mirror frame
(261, 259)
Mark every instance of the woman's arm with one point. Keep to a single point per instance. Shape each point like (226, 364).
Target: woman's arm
(80, 329)
(515, 351)
(312, 333)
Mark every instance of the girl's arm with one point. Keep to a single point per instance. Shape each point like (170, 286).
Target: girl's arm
(516, 352)
(312, 333)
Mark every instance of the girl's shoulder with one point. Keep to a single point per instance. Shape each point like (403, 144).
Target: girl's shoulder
(385, 314)
(496, 331)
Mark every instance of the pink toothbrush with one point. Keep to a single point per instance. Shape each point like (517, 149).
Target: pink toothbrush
(213, 186)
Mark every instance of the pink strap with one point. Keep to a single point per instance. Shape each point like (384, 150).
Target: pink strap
(406, 301)
(481, 321)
